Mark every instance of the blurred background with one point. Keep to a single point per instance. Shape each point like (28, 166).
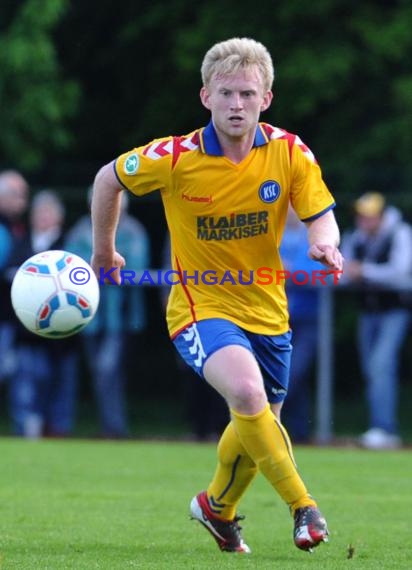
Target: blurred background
(81, 82)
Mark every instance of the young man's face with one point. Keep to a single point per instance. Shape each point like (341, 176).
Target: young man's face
(236, 101)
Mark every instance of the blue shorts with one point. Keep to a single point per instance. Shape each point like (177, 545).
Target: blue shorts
(200, 340)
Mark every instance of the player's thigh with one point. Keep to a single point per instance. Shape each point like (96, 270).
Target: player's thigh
(219, 351)
(233, 371)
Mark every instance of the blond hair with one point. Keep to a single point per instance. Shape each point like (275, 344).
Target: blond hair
(227, 57)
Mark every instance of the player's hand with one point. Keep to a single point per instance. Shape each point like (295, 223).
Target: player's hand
(328, 255)
(107, 267)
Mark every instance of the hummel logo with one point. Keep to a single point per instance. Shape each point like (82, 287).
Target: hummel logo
(207, 199)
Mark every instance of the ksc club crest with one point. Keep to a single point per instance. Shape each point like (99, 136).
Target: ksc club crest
(269, 191)
(131, 164)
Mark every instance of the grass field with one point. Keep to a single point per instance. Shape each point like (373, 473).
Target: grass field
(101, 505)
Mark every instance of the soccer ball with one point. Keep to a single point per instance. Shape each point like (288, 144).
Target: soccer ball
(55, 294)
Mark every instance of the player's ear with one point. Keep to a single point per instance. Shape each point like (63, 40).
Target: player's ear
(204, 97)
(267, 100)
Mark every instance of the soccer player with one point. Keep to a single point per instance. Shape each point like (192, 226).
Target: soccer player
(226, 190)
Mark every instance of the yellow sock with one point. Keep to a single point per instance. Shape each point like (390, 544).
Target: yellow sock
(268, 444)
(234, 473)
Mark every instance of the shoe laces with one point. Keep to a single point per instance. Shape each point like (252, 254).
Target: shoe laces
(233, 527)
(237, 519)
(305, 515)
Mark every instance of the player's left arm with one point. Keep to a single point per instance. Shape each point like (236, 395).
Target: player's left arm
(324, 238)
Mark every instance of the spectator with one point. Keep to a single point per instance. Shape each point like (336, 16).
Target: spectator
(121, 313)
(42, 390)
(5, 244)
(378, 255)
(14, 194)
(303, 311)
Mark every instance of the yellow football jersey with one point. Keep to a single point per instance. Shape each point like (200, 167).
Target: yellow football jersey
(226, 221)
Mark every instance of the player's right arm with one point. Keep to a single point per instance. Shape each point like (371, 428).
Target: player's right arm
(105, 211)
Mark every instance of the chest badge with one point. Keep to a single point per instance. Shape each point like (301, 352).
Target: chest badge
(269, 191)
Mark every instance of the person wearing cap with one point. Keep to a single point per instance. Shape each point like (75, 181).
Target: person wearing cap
(378, 261)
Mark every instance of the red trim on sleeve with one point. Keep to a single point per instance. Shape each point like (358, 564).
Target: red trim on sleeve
(291, 141)
(177, 149)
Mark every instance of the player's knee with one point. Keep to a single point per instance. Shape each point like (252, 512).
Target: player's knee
(247, 396)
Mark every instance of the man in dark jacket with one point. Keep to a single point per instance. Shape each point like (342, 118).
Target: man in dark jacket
(378, 254)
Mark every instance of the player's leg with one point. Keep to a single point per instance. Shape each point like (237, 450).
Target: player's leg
(234, 372)
(216, 508)
(235, 469)
(234, 473)
(237, 377)
(273, 354)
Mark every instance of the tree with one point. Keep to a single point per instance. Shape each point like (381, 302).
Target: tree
(343, 77)
(35, 99)
(343, 82)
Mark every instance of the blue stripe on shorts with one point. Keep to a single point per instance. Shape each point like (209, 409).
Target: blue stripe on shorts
(200, 340)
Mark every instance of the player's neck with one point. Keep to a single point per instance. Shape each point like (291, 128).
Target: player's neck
(235, 148)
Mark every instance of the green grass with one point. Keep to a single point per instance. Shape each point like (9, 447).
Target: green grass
(104, 505)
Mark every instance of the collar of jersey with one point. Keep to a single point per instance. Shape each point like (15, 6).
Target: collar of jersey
(209, 143)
